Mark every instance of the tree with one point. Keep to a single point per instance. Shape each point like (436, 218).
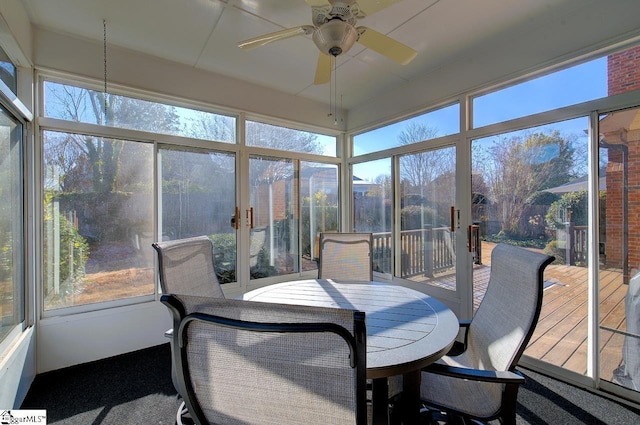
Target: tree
(81, 158)
(420, 169)
(208, 126)
(557, 153)
(281, 138)
(516, 167)
(267, 170)
(428, 176)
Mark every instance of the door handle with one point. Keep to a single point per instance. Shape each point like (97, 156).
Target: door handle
(453, 218)
(249, 216)
(236, 218)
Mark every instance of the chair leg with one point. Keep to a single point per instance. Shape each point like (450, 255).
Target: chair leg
(379, 402)
(509, 398)
(182, 415)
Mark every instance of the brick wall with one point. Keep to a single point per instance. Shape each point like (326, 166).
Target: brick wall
(633, 218)
(623, 71)
(623, 75)
(614, 227)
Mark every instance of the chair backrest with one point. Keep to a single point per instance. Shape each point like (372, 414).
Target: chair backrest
(258, 239)
(507, 316)
(245, 362)
(186, 267)
(345, 256)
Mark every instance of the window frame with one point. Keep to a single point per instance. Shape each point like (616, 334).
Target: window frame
(160, 139)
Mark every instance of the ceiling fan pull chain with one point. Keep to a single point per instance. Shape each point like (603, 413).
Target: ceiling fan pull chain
(335, 90)
(104, 45)
(330, 95)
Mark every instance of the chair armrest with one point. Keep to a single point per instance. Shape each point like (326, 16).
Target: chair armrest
(464, 323)
(496, 376)
(458, 346)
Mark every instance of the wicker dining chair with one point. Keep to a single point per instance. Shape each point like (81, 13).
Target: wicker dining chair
(346, 256)
(482, 382)
(253, 363)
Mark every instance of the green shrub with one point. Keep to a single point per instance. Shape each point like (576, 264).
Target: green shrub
(515, 240)
(6, 256)
(553, 249)
(575, 202)
(73, 251)
(543, 198)
(414, 217)
(224, 252)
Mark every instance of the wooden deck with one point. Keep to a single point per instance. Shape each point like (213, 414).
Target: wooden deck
(561, 334)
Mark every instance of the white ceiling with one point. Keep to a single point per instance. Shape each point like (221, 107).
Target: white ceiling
(204, 33)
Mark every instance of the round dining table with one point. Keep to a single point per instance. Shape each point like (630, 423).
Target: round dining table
(406, 330)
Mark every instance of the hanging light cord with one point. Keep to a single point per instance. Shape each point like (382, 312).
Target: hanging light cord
(104, 25)
(335, 90)
(331, 76)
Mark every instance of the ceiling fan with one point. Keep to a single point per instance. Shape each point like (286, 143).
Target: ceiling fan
(334, 33)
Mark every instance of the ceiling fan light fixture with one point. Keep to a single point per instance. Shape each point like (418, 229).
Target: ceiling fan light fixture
(335, 37)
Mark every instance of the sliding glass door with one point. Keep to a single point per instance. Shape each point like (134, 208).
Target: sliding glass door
(273, 217)
(428, 217)
(198, 197)
(619, 248)
(530, 189)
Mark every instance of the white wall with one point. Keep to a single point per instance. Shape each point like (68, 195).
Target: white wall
(80, 338)
(17, 370)
(15, 33)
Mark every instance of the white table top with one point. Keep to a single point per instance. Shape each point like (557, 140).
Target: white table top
(406, 329)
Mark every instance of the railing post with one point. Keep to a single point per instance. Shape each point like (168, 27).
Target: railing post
(428, 251)
(475, 239)
(568, 248)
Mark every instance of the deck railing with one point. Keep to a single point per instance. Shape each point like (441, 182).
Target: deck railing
(423, 252)
(577, 246)
(573, 241)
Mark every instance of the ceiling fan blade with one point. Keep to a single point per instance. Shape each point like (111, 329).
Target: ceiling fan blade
(261, 40)
(317, 3)
(386, 46)
(369, 7)
(323, 69)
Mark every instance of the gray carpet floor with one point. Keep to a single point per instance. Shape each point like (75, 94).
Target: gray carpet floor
(136, 388)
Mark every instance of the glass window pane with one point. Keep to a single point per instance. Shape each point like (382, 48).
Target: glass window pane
(619, 248)
(288, 139)
(530, 189)
(72, 103)
(198, 198)
(98, 219)
(372, 209)
(577, 84)
(274, 237)
(434, 124)
(11, 225)
(319, 208)
(427, 193)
